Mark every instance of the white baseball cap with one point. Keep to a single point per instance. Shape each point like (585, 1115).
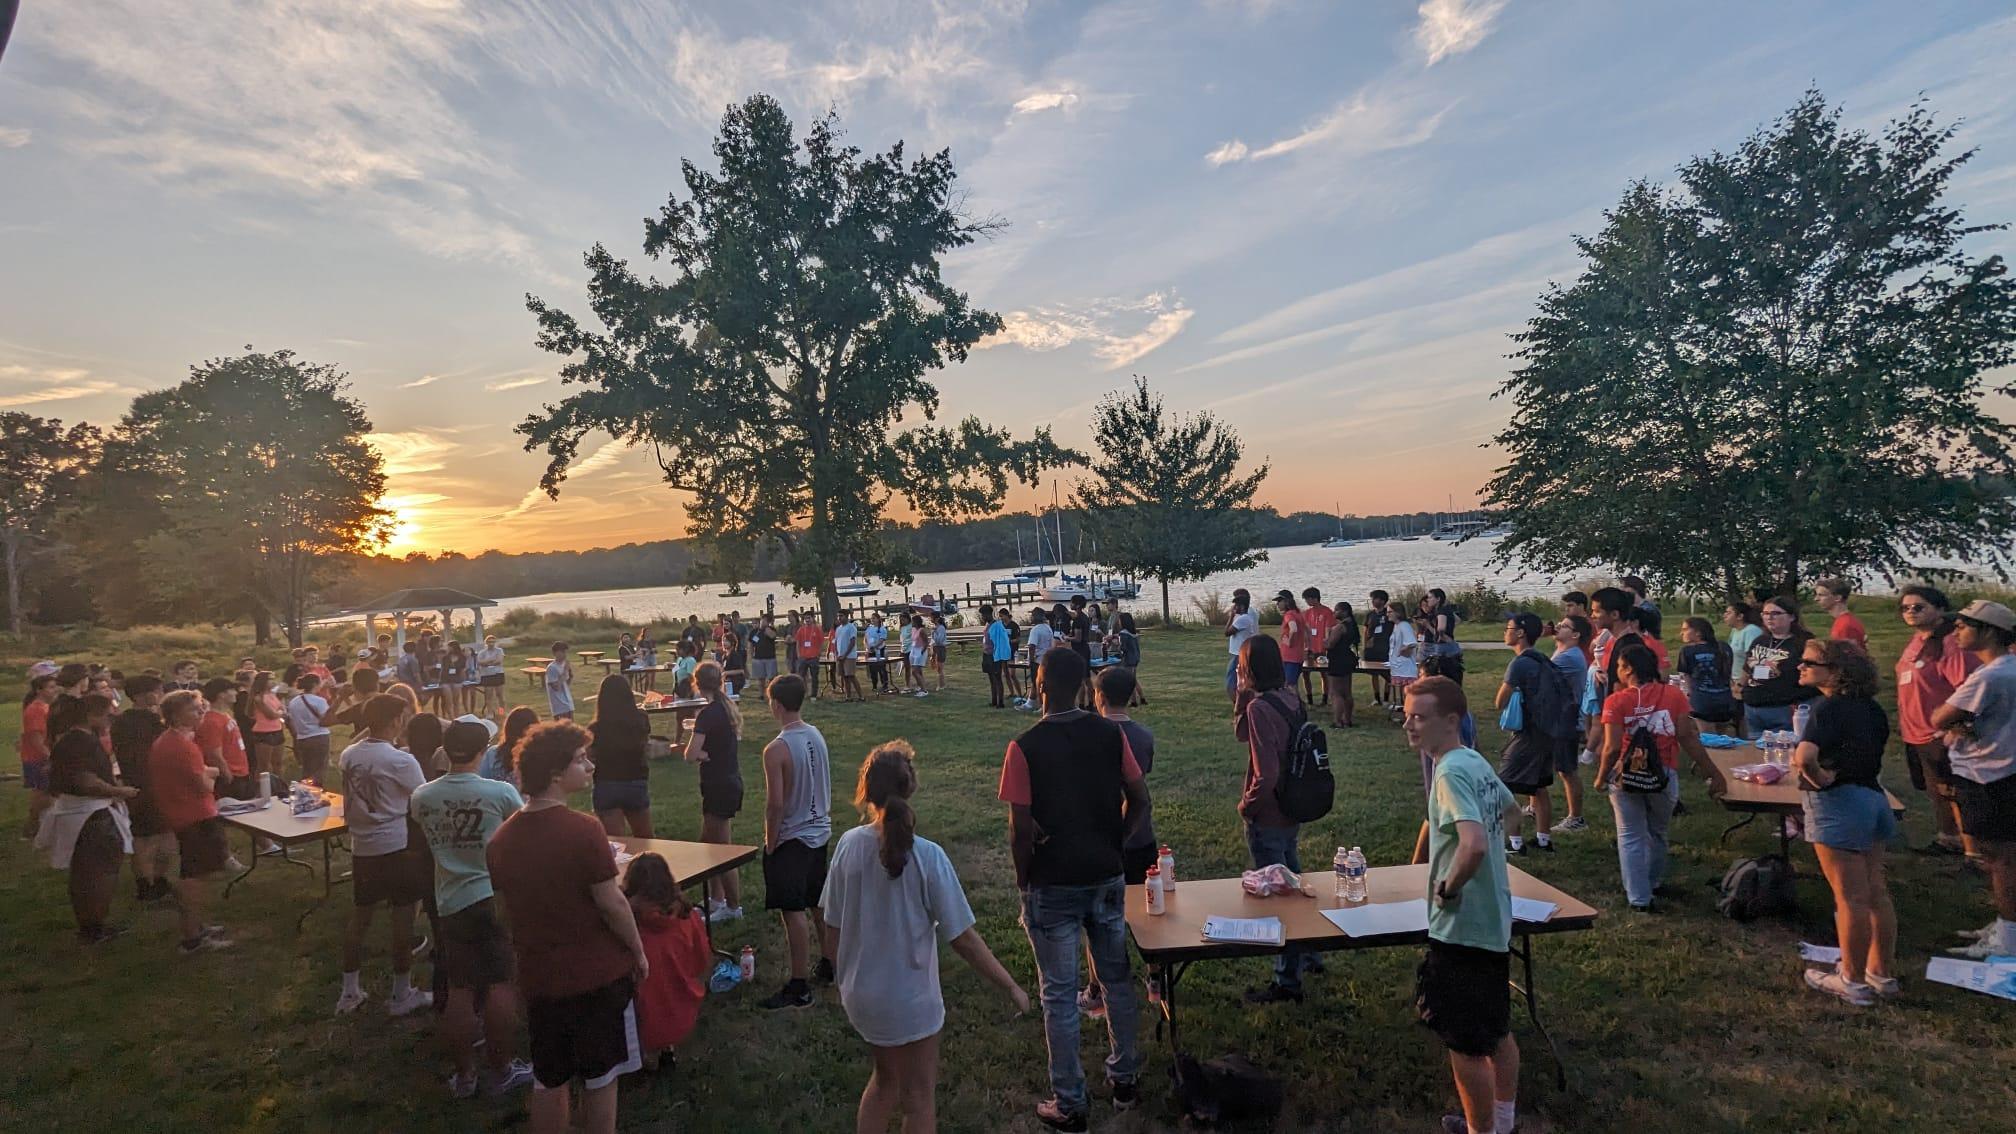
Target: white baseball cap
(42, 669)
(489, 726)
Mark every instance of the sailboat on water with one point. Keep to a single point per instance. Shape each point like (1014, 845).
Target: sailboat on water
(1339, 540)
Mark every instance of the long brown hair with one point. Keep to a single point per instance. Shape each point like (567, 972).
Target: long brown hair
(888, 777)
(519, 722)
(649, 882)
(707, 679)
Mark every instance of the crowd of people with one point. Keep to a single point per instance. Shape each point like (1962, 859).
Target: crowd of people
(553, 967)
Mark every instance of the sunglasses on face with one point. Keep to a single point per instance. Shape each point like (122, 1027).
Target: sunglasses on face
(1814, 663)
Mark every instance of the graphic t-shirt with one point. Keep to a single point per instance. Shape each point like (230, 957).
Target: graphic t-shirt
(218, 730)
(1772, 672)
(1658, 707)
(1466, 790)
(545, 864)
(890, 930)
(1294, 637)
(378, 785)
(1706, 665)
(459, 813)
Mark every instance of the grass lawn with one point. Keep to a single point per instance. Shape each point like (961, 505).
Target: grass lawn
(1679, 1021)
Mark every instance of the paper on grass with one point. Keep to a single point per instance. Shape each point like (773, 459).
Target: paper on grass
(1996, 978)
(1380, 919)
(1244, 930)
(1824, 954)
(1533, 909)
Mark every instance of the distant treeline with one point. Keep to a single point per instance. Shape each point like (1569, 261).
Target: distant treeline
(972, 545)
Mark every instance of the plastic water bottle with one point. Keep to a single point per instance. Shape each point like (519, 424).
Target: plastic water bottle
(1165, 861)
(1341, 867)
(1355, 873)
(1801, 713)
(748, 963)
(1153, 885)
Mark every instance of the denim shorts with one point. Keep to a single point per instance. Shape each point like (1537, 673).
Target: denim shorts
(622, 795)
(1849, 818)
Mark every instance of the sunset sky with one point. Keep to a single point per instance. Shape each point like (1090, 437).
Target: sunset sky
(1319, 220)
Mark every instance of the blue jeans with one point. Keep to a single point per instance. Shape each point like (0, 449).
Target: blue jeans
(1642, 819)
(1055, 917)
(1292, 671)
(1269, 846)
(1762, 717)
(1232, 674)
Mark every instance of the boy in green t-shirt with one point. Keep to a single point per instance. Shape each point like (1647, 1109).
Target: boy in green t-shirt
(1463, 991)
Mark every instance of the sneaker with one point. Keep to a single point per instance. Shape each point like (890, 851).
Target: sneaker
(1271, 993)
(1982, 949)
(923, 693)
(1839, 987)
(100, 935)
(1092, 1004)
(408, 1001)
(204, 945)
(822, 970)
(794, 994)
(1527, 811)
(1939, 849)
(1978, 934)
(213, 931)
(517, 1074)
(1544, 843)
(1125, 1095)
(725, 912)
(233, 865)
(1886, 987)
(349, 1002)
(1518, 845)
(1052, 1114)
(271, 849)
(1585, 758)
(1572, 823)
(462, 1086)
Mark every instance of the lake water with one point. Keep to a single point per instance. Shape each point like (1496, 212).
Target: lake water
(1341, 573)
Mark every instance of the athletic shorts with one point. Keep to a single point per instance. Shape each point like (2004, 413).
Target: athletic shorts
(35, 776)
(204, 851)
(846, 666)
(395, 879)
(794, 876)
(475, 947)
(1931, 770)
(491, 681)
(622, 795)
(591, 1037)
(1568, 757)
(1464, 995)
(1987, 811)
(938, 652)
(1531, 760)
(721, 799)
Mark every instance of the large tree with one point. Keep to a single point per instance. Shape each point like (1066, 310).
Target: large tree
(769, 375)
(41, 462)
(1164, 494)
(1775, 370)
(260, 484)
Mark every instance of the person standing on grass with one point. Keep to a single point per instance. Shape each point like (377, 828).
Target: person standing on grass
(268, 738)
(489, 661)
(579, 956)
(1239, 626)
(1979, 721)
(560, 684)
(1708, 667)
(34, 747)
(1848, 820)
(621, 734)
(1000, 653)
(891, 898)
(1931, 667)
(459, 814)
(763, 652)
(1266, 716)
(1378, 639)
(1317, 620)
(1535, 752)
(223, 747)
(379, 780)
(941, 642)
(500, 760)
(455, 671)
(1340, 652)
(1621, 620)
(808, 641)
(1462, 989)
(86, 830)
(919, 642)
(134, 732)
(1113, 690)
(1832, 594)
(186, 675)
(308, 716)
(716, 747)
(1571, 632)
(1072, 778)
(1403, 655)
(1646, 725)
(1770, 680)
(180, 784)
(1293, 642)
(797, 824)
(876, 639)
(844, 636)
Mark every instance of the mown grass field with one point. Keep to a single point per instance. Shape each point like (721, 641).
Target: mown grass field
(1680, 1021)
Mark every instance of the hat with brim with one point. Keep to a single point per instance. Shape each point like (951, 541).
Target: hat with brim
(1990, 614)
(489, 726)
(42, 669)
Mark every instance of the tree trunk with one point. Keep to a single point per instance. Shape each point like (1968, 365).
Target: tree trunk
(1165, 602)
(1790, 565)
(262, 626)
(12, 540)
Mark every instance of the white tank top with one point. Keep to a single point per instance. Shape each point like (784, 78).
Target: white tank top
(808, 805)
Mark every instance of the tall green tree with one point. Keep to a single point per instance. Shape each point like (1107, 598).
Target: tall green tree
(41, 462)
(1777, 369)
(1164, 496)
(263, 484)
(770, 374)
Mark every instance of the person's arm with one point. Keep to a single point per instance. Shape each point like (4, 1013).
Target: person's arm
(37, 742)
(1136, 791)
(1949, 716)
(1504, 697)
(263, 710)
(1469, 856)
(776, 790)
(1690, 743)
(1021, 841)
(1613, 748)
(1265, 754)
(213, 754)
(1241, 729)
(617, 915)
(974, 951)
(696, 748)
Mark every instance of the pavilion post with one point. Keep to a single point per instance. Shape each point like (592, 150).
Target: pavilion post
(399, 632)
(477, 613)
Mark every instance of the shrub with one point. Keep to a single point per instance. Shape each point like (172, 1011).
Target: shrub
(1214, 610)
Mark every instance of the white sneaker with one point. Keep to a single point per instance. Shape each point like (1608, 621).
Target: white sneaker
(923, 693)
(349, 1002)
(727, 913)
(1841, 988)
(1586, 757)
(518, 1074)
(462, 1086)
(1982, 933)
(408, 1001)
(1572, 823)
(1886, 987)
(1980, 950)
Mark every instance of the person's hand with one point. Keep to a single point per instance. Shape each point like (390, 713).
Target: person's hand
(1446, 897)
(1020, 999)
(642, 969)
(129, 793)
(1718, 786)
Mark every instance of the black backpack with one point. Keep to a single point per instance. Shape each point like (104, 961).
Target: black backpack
(1225, 1090)
(1757, 887)
(1306, 789)
(1551, 706)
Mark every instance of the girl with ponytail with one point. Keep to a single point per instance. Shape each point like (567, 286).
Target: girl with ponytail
(717, 747)
(891, 899)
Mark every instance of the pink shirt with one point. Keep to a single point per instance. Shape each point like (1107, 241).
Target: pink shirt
(1924, 684)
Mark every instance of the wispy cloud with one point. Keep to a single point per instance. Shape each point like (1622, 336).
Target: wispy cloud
(413, 451)
(1365, 123)
(1452, 27)
(1040, 101)
(423, 380)
(88, 389)
(14, 137)
(1099, 324)
(605, 457)
(514, 383)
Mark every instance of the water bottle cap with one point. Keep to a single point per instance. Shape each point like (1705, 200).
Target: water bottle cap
(1155, 872)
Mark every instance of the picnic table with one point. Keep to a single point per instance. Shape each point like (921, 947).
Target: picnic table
(590, 655)
(693, 864)
(861, 662)
(534, 674)
(1783, 799)
(1169, 943)
(683, 709)
(278, 822)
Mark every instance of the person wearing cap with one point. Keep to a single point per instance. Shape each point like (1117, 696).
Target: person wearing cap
(458, 814)
(1979, 721)
(1239, 626)
(1294, 638)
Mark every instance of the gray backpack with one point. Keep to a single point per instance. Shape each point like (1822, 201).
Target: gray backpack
(1757, 887)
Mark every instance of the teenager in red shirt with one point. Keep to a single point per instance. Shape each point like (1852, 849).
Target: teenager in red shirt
(810, 641)
(1833, 595)
(34, 746)
(181, 784)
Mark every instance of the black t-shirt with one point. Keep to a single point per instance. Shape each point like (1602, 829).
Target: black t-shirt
(723, 763)
(133, 734)
(617, 747)
(1781, 687)
(1706, 664)
(1378, 635)
(1081, 634)
(1850, 733)
(75, 753)
(763, 643)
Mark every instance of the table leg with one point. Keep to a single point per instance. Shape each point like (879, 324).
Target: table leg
(1523, 946)
(228, 886)
(1165, 979)
(1735, 827)
(328, 883)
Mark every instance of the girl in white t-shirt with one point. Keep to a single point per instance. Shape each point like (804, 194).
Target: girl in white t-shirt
(1403, 659)
(891, 899)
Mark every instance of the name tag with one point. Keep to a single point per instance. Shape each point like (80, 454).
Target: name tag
(1760, 673)
(1905, 677)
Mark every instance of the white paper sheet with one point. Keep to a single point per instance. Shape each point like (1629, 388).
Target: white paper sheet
(1244, 930)
(1996, 978)
(1824, 954)
(1381, 919)
(1533, 909)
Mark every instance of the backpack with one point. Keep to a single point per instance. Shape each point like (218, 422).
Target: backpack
(1306, 789)
(1552, 709)
(1231, 1088)
(1642, 771)
(1757, 887)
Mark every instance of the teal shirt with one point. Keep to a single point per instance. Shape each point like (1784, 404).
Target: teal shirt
(1466, 789)
(459, 812)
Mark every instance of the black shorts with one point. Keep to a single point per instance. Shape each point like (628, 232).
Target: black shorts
(1987, 811)
(794, 875)
(1135, 861)
(204, 851)
(1528, 764)
(1464, 995)
(396, 879)
(721, 799)
(1930, 769)
(475, 947)
(1342, 665)
(145, 817)
(1568, 757)
(591, 1036)
(490, 681)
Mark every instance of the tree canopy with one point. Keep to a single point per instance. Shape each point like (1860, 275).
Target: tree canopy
(41, 463)
(1774, 370)
(1164, 494)
(770, 375)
